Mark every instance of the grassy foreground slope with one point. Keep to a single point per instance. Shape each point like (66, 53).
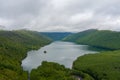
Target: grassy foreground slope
(13, 48)
(101, 66)
(51, 71)
(98, 38)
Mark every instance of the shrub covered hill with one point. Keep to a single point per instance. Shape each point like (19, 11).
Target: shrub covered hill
(13, 48)
(51, 71)
(99, 66)
(97, 38)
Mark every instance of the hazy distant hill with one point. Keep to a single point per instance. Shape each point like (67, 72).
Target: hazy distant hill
(56, 35)
(98, 38)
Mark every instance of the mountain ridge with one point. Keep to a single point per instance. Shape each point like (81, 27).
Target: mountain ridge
(97, 38)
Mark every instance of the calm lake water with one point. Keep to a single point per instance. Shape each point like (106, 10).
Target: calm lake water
(61, 52)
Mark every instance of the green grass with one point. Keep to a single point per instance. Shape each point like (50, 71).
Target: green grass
(100, 66)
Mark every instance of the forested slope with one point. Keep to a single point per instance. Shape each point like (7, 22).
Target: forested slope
(13, 48)
(97, 38)
(100, 66)
(75, 36)
(51, 71)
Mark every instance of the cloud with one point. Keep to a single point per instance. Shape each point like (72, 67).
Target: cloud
(81, 17)
(60, 15)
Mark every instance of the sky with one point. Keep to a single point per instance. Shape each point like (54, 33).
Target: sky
(60, 15)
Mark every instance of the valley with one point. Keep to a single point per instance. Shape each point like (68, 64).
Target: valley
(59, 39)
(60, 57)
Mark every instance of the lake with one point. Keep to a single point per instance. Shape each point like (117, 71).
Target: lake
(61, 52)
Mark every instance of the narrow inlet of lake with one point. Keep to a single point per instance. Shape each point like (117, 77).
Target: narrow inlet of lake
(60, 52)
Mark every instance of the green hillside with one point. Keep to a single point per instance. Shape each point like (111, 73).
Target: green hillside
(74, 37)
(13, 48)
(101, 66)
(51, 71)
(98, 38)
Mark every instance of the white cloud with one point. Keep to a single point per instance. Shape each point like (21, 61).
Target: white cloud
(60, 15)
(5, 22)
(81, 17)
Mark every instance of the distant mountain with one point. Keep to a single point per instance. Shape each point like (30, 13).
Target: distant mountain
(97, 38)
(56, 35)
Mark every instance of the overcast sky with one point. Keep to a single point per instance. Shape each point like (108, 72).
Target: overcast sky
(60, 15)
